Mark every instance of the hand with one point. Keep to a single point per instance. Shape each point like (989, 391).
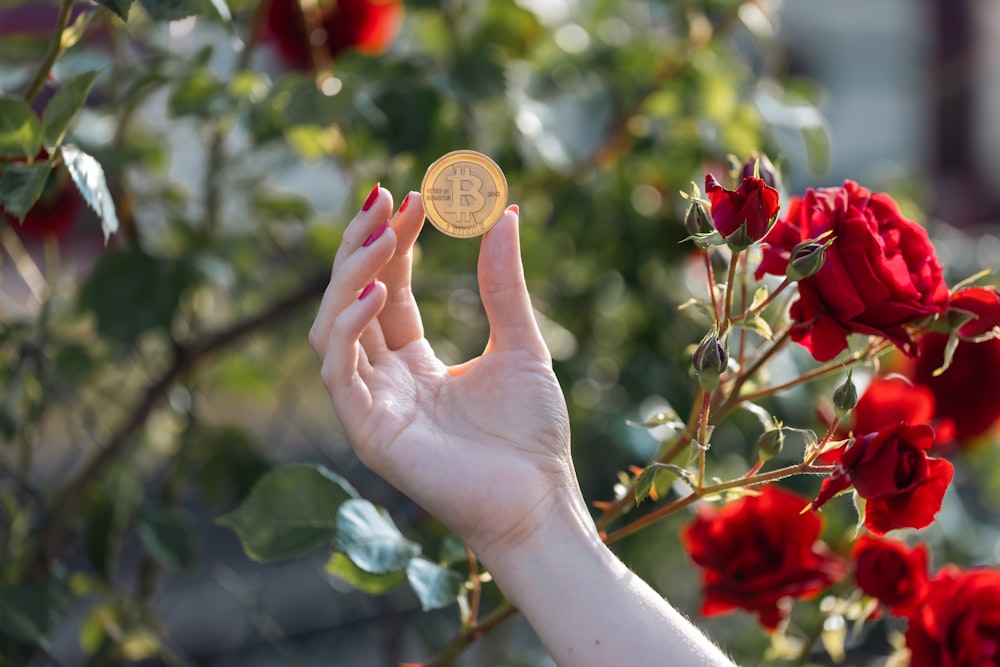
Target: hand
(483, 446)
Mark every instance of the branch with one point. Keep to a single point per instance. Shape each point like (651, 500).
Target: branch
(185, 359)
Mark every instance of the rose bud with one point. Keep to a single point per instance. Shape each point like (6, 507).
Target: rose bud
(806, 259)
(769, 443)
(760, 166)
(743, 216)
(845, 397)
(709, 361)
(696, 220)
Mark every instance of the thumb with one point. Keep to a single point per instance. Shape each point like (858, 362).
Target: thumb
(502, 287)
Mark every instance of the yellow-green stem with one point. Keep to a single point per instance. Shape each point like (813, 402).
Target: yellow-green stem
(55, 48)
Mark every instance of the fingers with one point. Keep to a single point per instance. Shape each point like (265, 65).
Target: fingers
(368, 243)
(345, 356)
(503, 290)
(400, 319)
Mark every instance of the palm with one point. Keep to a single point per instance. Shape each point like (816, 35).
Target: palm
(482, 445)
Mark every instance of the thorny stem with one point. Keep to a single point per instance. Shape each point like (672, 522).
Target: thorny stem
(55, 48)
(766, 302)
(680, 503)
(730, 284)
(467, 636)
(870, 351)
(702, 442)
(710, 275)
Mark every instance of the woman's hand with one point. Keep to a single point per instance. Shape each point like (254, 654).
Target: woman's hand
(483, 446)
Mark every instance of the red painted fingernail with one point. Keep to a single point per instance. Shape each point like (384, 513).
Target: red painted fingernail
(367, 290)
(379, 231)
(406, 202)
(514, 209)
(371, 198)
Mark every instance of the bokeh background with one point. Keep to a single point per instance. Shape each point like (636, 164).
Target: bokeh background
(174, 356)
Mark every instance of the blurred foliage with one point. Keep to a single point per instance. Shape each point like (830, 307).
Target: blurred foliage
(229, 178)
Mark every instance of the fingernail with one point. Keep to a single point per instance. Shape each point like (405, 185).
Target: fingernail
(406, 202)
(367, 290)
(375, 234)
(371, 198)
(514, 209)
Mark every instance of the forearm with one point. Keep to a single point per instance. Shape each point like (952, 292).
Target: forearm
(587, 607)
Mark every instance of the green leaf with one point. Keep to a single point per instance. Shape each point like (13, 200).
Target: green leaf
(434, 585)
(644, 483)
(131, 293)
(168, 537)
(119, 7)
(343, 567)
(21, 185)
(369, 538)
(172, 10)
(200, 94)
(20, 131)
(89, 178)
(290, 510)
(64, 105)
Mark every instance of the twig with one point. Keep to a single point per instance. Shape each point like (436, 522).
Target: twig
(185, 359)
(55, 48)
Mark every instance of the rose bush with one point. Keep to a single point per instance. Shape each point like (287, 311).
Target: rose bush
(880, 273)
(757, 552)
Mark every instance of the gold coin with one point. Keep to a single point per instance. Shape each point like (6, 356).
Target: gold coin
(464, 193)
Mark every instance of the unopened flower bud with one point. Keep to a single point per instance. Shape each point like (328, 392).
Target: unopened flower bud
(709, 361)
(696, 220)
(806, 259)
(760, 165)
(769, 443)
(845, 397)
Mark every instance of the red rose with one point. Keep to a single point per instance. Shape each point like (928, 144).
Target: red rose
(758, 551)
(966, 392)
(891, 572)
(983, 303)
(744, 215)
(880, 272)
(365, 26)
(891, 470)
(958, 623)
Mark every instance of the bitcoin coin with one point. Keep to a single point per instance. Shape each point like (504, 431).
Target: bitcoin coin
(464, 193)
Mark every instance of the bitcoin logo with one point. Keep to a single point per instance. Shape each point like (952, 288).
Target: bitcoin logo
(464, 193)
(464, 210)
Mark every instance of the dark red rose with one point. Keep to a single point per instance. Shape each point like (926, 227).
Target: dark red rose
(984, 304)
(744, 214)
(54, 212)
(880, 273)
(891, 572)
(757, 552)
(365, 26)
(966, 392)
(891, 470)
(958, 623)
